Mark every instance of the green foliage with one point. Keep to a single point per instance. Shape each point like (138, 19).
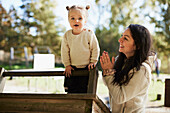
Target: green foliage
(7, 29)
(121, 17)
(162, 25)
(47, 30)
(159, 16)
(37, 15)
(107, 41)
(124, 12)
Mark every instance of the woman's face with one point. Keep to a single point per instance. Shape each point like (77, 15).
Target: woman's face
(127, 45)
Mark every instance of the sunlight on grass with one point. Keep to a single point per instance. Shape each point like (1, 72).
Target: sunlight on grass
(156, 87)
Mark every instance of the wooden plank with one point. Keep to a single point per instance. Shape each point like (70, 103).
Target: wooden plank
(44, 105)
(49, 96)
(31, 73)
(62, 103)
(92, 84)
(167, 93)
(100, 106)
(2, 80)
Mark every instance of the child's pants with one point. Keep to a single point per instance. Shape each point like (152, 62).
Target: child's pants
(76, 84)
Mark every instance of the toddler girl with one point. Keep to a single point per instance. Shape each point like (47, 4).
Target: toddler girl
(79, 49)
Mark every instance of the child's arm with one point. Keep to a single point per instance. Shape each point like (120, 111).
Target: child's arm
(95, 51)
(65, 50)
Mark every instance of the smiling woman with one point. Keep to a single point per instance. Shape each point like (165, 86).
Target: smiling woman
(128, 78)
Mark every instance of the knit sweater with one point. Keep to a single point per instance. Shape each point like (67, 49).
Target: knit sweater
(132, 97)
(79, 50)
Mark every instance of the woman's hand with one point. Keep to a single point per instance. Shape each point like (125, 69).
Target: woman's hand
(105, 61)
(67, 71)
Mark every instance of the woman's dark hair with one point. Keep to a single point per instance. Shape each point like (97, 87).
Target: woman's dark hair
(142, 40)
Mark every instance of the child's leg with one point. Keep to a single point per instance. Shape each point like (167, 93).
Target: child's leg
(70, 83)
(76, 84)
(83, 84)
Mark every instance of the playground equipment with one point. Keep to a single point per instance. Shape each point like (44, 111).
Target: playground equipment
(55, 103)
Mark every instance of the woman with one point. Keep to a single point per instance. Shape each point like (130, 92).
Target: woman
(128, 77)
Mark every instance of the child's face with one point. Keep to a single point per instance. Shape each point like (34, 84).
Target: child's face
(77, 20)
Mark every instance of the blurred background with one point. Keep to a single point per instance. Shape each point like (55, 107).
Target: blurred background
(37, 26)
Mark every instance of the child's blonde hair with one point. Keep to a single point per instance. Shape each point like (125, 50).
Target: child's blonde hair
(78, 8)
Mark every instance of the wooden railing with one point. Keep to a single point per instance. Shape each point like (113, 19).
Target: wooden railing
(55, 103)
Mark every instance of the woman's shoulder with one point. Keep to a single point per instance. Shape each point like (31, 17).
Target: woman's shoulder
(149, 62)
(146, 67)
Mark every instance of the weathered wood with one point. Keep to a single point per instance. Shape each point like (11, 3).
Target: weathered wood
(63, 103)
(100, 106)
(2, 80)
(31, 73)
(58, 103)
(92, 84)
(49, 96)
(167, 93)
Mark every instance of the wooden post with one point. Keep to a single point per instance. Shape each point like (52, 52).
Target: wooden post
(11, 57)
(26, 57)
(92, 84)
(167, 93)
(2, 80)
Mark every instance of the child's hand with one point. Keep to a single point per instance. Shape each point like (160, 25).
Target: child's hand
(67, 71)
(91, 65)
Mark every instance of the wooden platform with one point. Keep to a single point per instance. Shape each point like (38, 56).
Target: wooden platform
(51, 103)
(54, 103)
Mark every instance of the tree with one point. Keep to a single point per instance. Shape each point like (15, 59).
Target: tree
(122, 14)
(158, 15)
(47, 30)
(125, 12)
(3, 24)
(160, 18)
(9, 37)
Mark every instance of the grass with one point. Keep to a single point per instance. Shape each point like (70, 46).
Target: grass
(34, 84)
(156, 87)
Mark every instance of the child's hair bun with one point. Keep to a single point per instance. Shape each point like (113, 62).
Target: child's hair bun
(88, 7)
(67, 7)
